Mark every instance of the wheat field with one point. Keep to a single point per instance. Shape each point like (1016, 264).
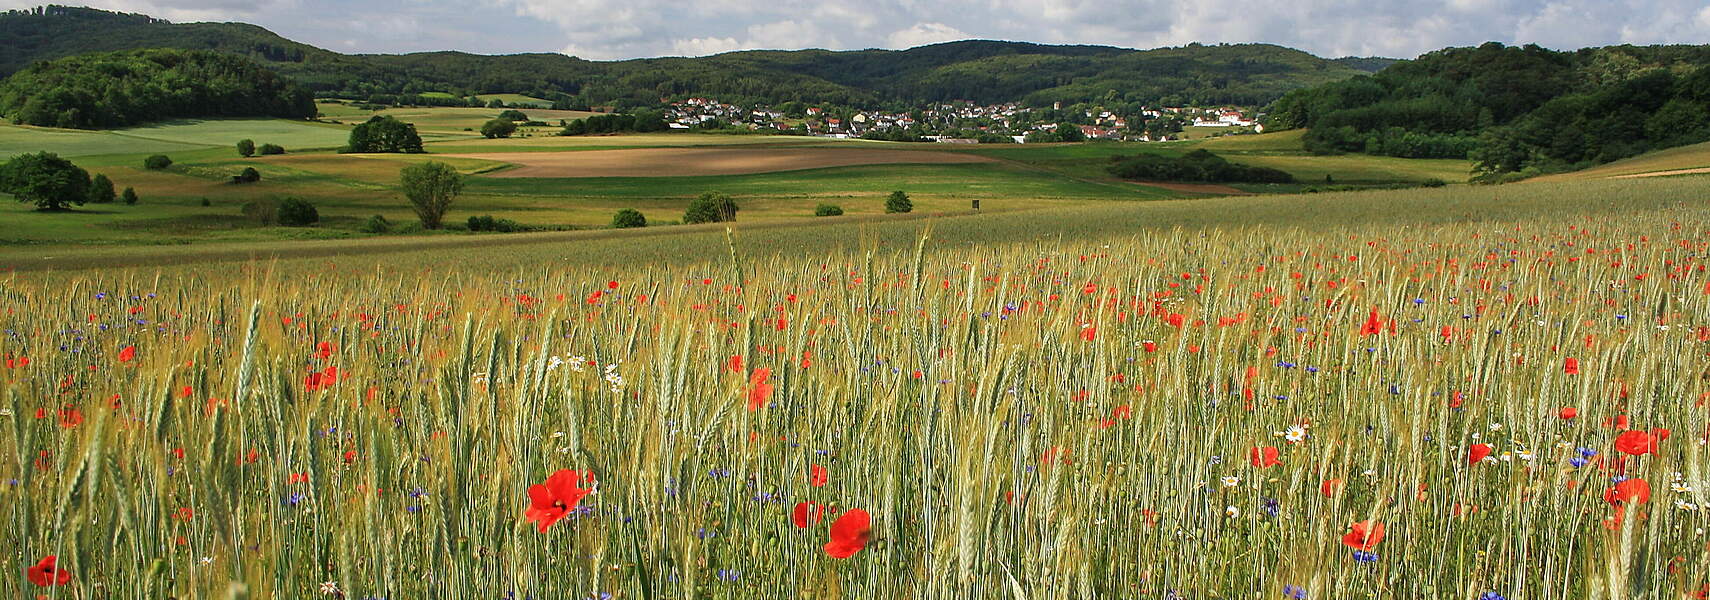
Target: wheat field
(1440, 411)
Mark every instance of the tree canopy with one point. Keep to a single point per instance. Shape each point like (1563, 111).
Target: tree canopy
(46, 180)
(119, 89)
(384, 133)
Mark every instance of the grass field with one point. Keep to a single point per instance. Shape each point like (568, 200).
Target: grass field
(579, 182)
(1353, 395)
(1684, 158)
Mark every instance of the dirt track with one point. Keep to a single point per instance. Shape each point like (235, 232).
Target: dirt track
(1665, 173)
(667, 162)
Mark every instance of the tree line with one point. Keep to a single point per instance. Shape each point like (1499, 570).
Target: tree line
(119, 89)
(1512, 109)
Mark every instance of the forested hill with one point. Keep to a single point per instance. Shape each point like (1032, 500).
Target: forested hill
(981, 71)
(1513, 109)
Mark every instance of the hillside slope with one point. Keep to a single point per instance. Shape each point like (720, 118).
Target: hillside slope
(981, 71)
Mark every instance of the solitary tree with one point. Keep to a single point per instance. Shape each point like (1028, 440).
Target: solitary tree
(384, 134)
(157, 162)
(513, 115)
(431, 186)
(898, 203)
(45, 179)
(498, 128)
(101, 190)
(130, 196)
(246, 148)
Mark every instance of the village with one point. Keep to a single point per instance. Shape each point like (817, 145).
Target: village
(966, 122)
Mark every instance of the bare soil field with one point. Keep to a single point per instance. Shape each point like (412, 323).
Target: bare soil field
(666, 162)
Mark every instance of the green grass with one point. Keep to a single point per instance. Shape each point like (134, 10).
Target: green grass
(514, 100)
(15, 140)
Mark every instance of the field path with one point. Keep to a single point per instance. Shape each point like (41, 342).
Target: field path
(1696, 171)
(679, 162)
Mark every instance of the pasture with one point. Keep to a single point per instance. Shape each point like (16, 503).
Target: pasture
(682, 162)
(1408, 394)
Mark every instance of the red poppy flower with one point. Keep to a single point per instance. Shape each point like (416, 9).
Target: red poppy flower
(759, 391)
(1373, 326)
(849, 534)
(1363, 535)
(1628, 491)
(817, 476)
(807, 514)
(127, 353)
(1568, 412)
(324, 350)
(1636, 442)
(47, 573)
(553, 500)
(1330, 488)
(1263, 458)
(1571, 367)
(1477, 453)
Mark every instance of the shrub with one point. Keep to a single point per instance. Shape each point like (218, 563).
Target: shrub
(628, 218)
(898, 203)
(271, 149)
(296, 212)
(711, 207)
(828, 210)
(101, 190)
(130, 196)
(498, 128)
(249, 175)
(1433, 183)
(246, 148)
(376, 224)
(513, 115)
(488, 223)
(207, 202)
(157, 162)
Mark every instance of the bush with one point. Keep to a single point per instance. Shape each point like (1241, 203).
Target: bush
(157, 162)
(271, 149)
(828, 210)
(130, 196)
(376, 224)
(1433, 183)
(207, 202)
(498, 128)
(296, 212)
(246, 148)
(513, 115)
(101, 190)
(488, 223)
(711, 207)
(1197, 166)
(628, 218)
(249, 175)
(898, 203)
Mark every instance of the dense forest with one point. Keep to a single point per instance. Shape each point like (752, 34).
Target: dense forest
(981, 71)
(1513, 109)
(116, 89)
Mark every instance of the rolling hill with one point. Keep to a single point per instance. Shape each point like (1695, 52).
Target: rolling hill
(981, 71)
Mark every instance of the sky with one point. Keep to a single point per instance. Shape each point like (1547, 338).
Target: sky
(618, 29)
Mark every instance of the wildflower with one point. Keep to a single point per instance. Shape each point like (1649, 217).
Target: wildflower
(1330, 488)
(1363, 535)
(849, 534)
(1294, 591)
(1231, 512)
(127, 353)
(1295, 434)
(1571, 367)
(1491, 596)
(1478, 453)
(1636, 442)
(806, 514)
(330, 588)
(553, 500)
(46, 573)
(1264, 458)
(817, 476)
(1628, 491)
(759, 391)
(1568, 412)
(1231, 481)
(1365, 557)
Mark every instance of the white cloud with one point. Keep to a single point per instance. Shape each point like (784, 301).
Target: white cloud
(924, 33)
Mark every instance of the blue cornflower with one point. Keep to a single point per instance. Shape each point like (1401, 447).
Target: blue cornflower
(729, 574)
(1365, 557)
(1491, 596)
(1294, 591)
(1577, 462)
